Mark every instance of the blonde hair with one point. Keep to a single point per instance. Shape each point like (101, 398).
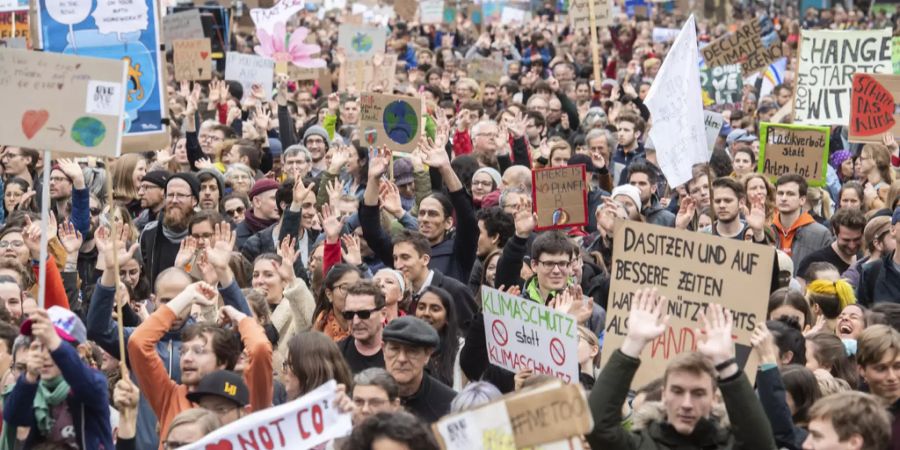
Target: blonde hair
(822, 290)
(123, 176)
(207, 420)
(881, 155)
(593, 341)
(828, 384)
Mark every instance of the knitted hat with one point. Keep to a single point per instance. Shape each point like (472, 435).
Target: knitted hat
(317, 131)
(188, 178)
(266, 184)
(220, 179)
(492, 173)
(157, 177)
(629, 191)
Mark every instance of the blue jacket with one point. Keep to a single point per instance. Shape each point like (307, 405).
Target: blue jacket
(103, 330)
(88, 402)
(81, 211)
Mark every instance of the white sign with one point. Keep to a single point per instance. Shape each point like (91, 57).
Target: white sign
(121, 16)
(524, 334)
(828, 60)
(714, 123)
(431, 11)
(676, 108)
(361, 42)
(250, 70)
(182, 25)
(303, 423)
(665, 34)
(510, 16)
(265, 19)
(104, 98)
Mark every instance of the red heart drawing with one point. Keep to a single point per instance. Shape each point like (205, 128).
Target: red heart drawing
(872, 107)
(204, 54)
(33, 121)
(221, 445)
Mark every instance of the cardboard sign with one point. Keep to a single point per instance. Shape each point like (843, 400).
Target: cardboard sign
(182, 25)
(304, 74)
(580, 18)
(744, 47)
(216, 23)
(303, 423)
(193, 59)
(692, 270)
(895, 55)
(560, 197)
(722, 86)
(250, 70)
(406, 9)
(525, 334)
(361, 42)
(431, 11)
(714, 122)
(266, 18)
(391, 120)
(363, 76)
(799, 149)
(123, 30)
(485, 70)
(544, 414)
(62, 103)
(873, 111)
(828, 59)
(15, 28)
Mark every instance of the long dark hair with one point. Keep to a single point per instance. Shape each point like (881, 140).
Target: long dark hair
(441, 363)
(334, 274)
(801, 383)
(315, 359)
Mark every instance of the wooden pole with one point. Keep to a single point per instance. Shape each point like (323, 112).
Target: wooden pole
(45, 217)
(595, 50)
(110, 201)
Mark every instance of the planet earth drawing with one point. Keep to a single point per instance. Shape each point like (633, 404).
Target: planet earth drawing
(361, 43)
(560, 217)
(400, 122)
(88, 131)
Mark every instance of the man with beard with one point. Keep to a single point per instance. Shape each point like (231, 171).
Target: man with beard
(728, 194)
(848, 225)
(68, 189)
(264, 211)
(152, 195)
(161, 239)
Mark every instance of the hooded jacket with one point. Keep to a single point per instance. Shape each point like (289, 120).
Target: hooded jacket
(802, 238)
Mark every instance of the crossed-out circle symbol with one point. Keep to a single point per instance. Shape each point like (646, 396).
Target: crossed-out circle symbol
(498, 330)
(557, 351)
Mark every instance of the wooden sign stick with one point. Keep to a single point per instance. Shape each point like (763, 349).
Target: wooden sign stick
(110, 201)
(595, 50)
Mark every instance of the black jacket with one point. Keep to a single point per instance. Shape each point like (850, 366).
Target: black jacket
(770, 388)
(431, 401)
(879, 281)
(263, 241)
(157, 251)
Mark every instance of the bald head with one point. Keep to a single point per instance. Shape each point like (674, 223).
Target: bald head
(517, 177)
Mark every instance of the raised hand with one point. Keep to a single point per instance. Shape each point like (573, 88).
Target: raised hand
(218, 253)
(288, 252)
(214, 94)
(43, 329)
(517, 126)
(756, 218)
(389, 195)
(164, 156)
(379, 160)
(764, 344)
(685, 213)
(301, 191)
(200, 292)
(352, 254)
(186, 252)
(335, 189)
(230, 314)
(339, 158)
(716, 335)
(434, 155)
(646, 321)
(70, 238)
(332, 224)
(204, 163)
(525, 219)
(73, 171)
(104, 242)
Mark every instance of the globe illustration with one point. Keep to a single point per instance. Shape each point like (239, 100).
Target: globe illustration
(362, 43)
(88, 131)
(401, 122)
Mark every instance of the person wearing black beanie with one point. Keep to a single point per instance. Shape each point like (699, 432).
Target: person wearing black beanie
(161, 239)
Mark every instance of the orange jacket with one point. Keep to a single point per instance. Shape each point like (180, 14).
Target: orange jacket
(785, 238)
(55, 293)
(169, 398)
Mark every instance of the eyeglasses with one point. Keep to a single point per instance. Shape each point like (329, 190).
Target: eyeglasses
(13, 244)
(342, 288)
(196, 349)
(11, 155)
(58, 179)
(236, 211)
(363, 314)
(550, 265)
(209, 137)
(177, 197)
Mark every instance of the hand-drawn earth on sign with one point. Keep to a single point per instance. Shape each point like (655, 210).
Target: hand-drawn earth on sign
(88, 131)
(401, 122)
(362, 43)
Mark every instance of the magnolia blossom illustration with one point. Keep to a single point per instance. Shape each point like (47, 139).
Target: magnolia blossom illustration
(283, 47)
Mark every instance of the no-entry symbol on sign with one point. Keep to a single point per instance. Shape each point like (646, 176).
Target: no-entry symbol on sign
(498, 330)
(557, 351)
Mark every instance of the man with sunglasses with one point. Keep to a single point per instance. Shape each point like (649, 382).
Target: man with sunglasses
(364, 314)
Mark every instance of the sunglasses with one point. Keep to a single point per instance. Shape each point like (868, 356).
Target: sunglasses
(236, 211)
(364, 314)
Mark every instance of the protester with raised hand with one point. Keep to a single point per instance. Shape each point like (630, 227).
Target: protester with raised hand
(126, 398)
(690, 383)
(65, 402)
(772, 393)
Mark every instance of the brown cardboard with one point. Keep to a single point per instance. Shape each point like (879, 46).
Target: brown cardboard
(579, 13)
(560, 197)
(485, 70)
(362, 76)
(744, 47)
(392, 120)
(798, 149)
(193, 59)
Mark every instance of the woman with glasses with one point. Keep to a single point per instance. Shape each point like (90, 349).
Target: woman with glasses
(330, 303)
(239, 178)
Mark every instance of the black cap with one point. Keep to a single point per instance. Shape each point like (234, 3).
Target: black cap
(157, 177)
(190, 179)
(222, 383)
(411, 330)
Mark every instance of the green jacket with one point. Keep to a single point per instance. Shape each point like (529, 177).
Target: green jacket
(749, 430)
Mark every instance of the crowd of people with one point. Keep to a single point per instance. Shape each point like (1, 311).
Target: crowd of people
(269, 250)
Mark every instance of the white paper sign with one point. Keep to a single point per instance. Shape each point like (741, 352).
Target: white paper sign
(182, 25)
(511, 16)
(361, 42)
(467, 431)
(104, 98)
(121, 16)
(525, 334)
(265, 19)
(431, 11)
(250, 70)
(676, 108)
(665, 34)
(714, 123)
(303, 423)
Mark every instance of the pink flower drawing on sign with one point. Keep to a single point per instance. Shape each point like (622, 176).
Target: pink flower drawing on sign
(284, 47)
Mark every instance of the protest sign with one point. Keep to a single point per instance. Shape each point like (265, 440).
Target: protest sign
(361, 42)
(663, 35)
(873, 110)
(62, 103)
(303, 73)
(485, 70)
(192, 59)
(216, 23)
(303, 423)
(391, 120)
(579, 14)
(692, 270)
(828, 60)
(182, 25)
(406, 9)
(798, 149)
(523, 334)
(250, 70)
(266, 18)
(676, 105)
(15, 28)
(431, 11)
(375, 74)
(560, 197)
(895, 55)
(722, 86)
(529, 418)
(12, 5)
(512, 16)
(123, 30)
(714, 122)
(744, 47)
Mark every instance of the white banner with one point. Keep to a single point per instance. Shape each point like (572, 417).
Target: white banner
(676, 109)
(265, 19)
(303, 423)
